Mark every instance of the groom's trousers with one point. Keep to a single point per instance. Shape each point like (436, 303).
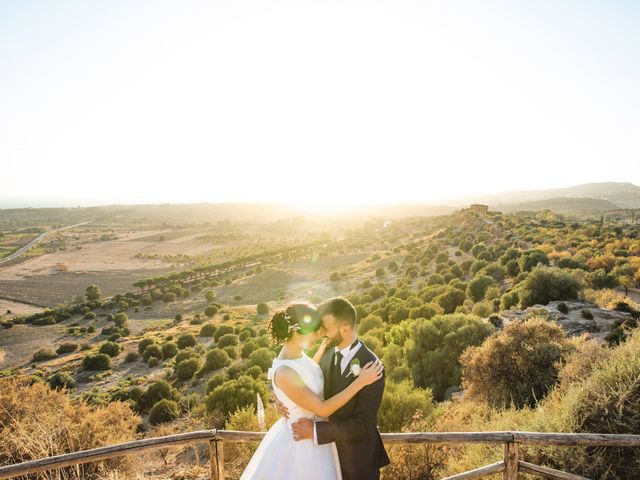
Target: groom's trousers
(373, 475)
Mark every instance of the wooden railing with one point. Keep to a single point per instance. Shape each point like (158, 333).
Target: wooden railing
(510, 465)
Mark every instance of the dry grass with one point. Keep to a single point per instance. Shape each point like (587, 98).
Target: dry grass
(37, 422)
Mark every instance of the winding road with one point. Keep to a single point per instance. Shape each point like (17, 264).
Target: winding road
(37, 240)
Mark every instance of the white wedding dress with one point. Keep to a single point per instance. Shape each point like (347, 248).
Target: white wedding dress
(279, 456)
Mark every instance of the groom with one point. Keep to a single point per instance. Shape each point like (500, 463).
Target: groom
(353, 427)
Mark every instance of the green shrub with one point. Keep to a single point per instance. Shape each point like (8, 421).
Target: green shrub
(164, 411)
(215, 380)
(262, 309)
(211, 311)
(255, 371)
(207, 330)
(132, 357)
(222, 330)
(99, 361)
(186, 340)
(169, 350)
(227, 340)
(370, 322)
(605, 400)
(528, 353)
(187, 368)
(546, 284)
(210, 295)
(248, 348)
(43, 354)
(401, 401)
(67, 348)
(185, 354)
(436, 345)
(234, 394)
(110, 348)
(120, 319)
(478, 286)
(216, 359)
(509, 300)
(152, 351)
(62, 380)
(144, 343)
(601, 279)
(157, 391)
(529, 259)
(450, 300)
(586, 314)
(49, 320)
(482, 309)
(237, 369)
(263, 357)
(232, 351)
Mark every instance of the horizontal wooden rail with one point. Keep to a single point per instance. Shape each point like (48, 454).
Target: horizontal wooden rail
(104, 453)
(510, 439)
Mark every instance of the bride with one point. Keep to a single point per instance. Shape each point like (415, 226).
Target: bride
(298, 383)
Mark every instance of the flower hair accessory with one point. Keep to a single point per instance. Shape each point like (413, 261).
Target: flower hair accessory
(300, 318)
(294, 326)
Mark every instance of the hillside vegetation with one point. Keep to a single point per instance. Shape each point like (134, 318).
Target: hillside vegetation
(474, 318)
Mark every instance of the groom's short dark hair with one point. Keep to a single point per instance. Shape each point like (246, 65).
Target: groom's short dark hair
(341, 308)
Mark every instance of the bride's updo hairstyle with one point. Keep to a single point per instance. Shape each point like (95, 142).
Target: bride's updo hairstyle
(297, 317)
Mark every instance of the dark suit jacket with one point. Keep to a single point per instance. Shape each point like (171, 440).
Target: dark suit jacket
(354, 427)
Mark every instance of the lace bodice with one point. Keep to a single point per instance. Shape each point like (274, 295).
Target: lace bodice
(311, 375)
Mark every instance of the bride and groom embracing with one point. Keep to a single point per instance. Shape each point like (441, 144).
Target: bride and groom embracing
(329, 402)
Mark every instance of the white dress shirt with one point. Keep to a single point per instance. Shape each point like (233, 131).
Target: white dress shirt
(347, 355)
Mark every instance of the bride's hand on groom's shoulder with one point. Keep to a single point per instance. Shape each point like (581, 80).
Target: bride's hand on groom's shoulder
(372, 372)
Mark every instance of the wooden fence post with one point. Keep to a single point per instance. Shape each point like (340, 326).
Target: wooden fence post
(212, 460)
(216, 459)
(510, 461)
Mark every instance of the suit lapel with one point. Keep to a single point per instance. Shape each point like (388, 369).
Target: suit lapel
(325, 365)
(346, 374)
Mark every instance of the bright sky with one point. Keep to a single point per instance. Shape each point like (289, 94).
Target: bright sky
(322, 102)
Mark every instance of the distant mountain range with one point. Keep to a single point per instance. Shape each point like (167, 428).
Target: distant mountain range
(618, 194)
(588, 198)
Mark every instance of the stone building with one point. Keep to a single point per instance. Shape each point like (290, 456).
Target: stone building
(479, 209)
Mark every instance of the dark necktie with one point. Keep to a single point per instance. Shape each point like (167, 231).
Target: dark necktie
(335, 372)
(338, 362)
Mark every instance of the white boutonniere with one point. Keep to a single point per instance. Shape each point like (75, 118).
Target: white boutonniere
(354, 367)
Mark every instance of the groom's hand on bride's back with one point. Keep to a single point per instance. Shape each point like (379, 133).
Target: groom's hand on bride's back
(281, 409)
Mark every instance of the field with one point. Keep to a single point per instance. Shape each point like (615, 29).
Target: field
(114, 258)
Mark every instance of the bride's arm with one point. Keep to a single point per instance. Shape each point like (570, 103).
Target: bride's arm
(321, 350)
(287, 380)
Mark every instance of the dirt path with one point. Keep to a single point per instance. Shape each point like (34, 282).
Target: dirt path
(633, 293)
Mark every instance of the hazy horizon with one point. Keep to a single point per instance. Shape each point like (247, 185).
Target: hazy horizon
(8, 203)
(325, 105)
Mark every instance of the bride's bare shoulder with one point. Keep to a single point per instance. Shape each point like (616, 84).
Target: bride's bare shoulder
(285, 374)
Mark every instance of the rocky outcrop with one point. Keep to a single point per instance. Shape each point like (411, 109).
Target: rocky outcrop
(575, 320)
